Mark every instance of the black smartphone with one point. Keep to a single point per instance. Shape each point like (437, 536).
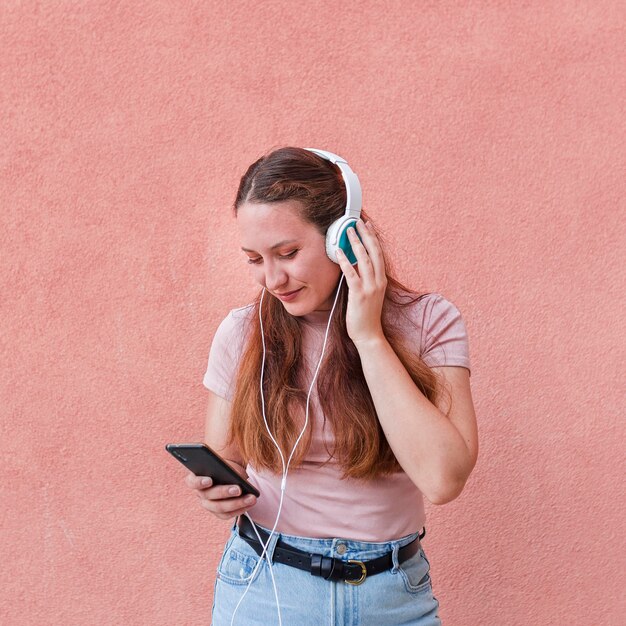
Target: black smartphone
(202, 461)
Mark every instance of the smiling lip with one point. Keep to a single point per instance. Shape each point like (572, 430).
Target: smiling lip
(289, 295)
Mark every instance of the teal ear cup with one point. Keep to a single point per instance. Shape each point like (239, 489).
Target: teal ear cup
(344, 242)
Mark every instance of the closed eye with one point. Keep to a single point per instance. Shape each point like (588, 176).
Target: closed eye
(289, 255)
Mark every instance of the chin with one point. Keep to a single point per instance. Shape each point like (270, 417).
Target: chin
(298, 309)
(295, 308)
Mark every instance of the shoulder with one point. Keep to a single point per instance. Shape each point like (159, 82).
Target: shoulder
(236, 319)
(426, 309)
(439, 328)
(243, 311)
(445, 340)
(438, 308)
(226, 349)
(233, 328)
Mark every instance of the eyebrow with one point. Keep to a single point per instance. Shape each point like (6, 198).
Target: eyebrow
(276, 245)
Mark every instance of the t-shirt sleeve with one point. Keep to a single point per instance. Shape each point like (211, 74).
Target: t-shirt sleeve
(221, 372)
(444, 338)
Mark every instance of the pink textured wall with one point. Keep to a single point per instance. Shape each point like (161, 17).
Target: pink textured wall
(489, 138)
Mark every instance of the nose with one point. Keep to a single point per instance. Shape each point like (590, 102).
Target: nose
(275, 276)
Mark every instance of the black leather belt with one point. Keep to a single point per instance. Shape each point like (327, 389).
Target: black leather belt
(330, 568)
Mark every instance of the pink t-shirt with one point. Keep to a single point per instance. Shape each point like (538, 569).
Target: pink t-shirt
(317, 501)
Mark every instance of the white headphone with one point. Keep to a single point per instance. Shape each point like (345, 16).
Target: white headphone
(336, 235)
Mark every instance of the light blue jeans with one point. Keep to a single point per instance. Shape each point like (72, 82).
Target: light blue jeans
(402, 595)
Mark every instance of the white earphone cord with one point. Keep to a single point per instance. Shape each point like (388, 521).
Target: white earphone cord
(283, 483)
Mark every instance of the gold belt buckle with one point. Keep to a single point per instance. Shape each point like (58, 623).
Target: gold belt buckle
(363, 574)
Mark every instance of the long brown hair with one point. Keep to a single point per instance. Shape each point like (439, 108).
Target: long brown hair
(360, 446)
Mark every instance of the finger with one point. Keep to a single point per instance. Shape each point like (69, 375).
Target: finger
(352, 277)
(361, 252)
(222, 492)
(198, 482)
(374, 249)
(232, 513)
(229, 505)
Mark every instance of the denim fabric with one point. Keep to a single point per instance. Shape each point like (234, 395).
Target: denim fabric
(401, 596)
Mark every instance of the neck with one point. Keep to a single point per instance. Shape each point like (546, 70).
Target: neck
(316, 318)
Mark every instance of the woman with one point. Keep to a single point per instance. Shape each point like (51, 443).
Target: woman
(365, 392)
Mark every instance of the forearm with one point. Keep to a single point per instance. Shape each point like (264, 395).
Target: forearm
(426, 443)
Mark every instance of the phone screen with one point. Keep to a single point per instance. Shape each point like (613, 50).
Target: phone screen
(202, 461)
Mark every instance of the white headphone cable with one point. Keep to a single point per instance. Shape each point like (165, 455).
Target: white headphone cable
(283, 483)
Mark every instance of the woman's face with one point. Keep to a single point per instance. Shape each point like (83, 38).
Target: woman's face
(287, 254)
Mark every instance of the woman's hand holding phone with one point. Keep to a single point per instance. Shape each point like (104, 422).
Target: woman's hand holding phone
(218, 499)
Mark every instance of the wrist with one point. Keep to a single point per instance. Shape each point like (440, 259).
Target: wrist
(372, 342)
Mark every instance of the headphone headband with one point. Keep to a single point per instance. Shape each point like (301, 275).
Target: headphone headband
(351, 180)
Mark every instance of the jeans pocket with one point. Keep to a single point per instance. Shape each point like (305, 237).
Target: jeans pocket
(415, 573)
(239, 562)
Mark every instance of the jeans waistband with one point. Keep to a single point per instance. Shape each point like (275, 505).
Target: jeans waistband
(350, 570)
(331, 546)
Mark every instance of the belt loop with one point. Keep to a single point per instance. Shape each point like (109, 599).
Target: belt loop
(394, 558)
